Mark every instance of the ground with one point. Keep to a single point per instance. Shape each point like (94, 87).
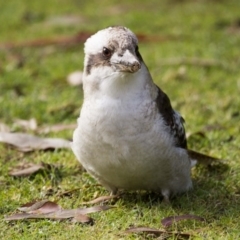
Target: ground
(192, 51)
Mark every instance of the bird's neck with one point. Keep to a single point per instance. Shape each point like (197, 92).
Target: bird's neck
(117, 85)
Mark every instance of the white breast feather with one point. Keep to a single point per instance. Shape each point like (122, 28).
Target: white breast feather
(122, 140)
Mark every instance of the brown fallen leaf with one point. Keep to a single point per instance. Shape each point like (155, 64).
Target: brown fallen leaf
(58, 215)
(157, 232)
(145, 229)
(168, 221)
(93, 209)
(43, 206)
(51, 210)
(26, 170)
(82, 219)
(26, 142)
(101, 199)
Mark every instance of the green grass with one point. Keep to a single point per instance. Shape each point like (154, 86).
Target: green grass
(33, 84)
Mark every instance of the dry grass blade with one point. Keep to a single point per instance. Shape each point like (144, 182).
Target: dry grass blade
(146, 230)
(27, 170)
(31, 206)
(168, 221)
(18, 216)
(58, 214)
(101, 199)
(26, 142)
(157, 232)
(82, 219)
(44, 206)
(94, 209)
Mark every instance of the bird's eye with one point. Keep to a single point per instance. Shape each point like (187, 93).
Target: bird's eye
(106, 52)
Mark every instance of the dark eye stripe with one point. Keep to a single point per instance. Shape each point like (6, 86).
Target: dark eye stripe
(96, 61)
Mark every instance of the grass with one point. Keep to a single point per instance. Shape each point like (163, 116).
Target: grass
(33, 84)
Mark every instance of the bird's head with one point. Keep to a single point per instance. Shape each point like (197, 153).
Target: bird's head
(113, 50)
(112, 64)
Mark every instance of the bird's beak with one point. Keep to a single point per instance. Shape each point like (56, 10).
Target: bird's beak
(126, 62)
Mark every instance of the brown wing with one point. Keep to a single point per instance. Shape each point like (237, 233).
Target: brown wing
(172, 119)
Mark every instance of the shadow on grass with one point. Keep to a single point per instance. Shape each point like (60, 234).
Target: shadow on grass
(211, 197)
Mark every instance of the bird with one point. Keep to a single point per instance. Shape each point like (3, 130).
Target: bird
(128, 135)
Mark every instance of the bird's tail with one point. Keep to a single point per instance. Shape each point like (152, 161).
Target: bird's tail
(197, 157)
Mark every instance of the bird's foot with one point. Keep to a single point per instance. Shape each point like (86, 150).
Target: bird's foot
(166, 194)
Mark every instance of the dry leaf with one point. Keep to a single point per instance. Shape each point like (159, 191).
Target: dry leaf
(26, 142)
(51, 210)
(31, 206)
(82, 219)
(26, 170)
(18, 216)
(93, 209)
(57, 215)
(146, 230)
(101, 199)
(44, 206)
(75, 78)
(168, 221)
(157, 232)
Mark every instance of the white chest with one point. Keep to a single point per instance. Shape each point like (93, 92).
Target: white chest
(114, 136)
(122, 140)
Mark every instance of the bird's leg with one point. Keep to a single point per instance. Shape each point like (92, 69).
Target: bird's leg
(165, 194)
(112, 189)
(113, 192)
